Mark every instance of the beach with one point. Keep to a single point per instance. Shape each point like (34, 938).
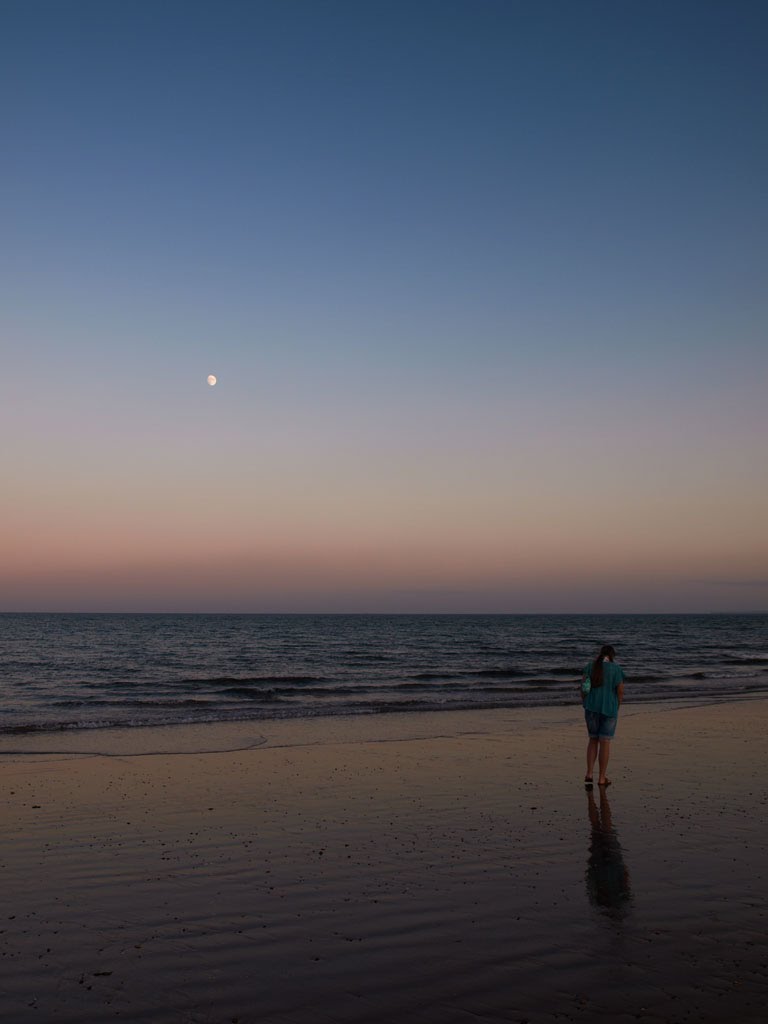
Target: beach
(437, 867)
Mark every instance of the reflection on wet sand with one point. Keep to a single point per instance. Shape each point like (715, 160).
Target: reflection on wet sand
(607, 877)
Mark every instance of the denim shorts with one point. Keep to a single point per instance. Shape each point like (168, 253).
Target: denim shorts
(599, 727)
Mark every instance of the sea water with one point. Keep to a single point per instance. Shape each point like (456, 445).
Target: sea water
(87, 671)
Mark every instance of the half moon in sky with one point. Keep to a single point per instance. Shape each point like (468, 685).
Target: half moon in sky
(211, 379)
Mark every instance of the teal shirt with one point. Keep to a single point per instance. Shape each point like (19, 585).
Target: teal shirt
(604, 698)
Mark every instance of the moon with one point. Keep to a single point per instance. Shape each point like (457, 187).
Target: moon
(211, 379)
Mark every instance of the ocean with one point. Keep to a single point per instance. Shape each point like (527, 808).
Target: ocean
(98, 671)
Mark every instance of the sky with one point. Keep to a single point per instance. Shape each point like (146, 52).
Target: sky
(483, 284)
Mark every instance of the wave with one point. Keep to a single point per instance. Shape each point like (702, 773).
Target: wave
(429, 687)
(428, 676)
(500, 673)
(541, 696)
(483, 673)
(135, 702)
(247, 680)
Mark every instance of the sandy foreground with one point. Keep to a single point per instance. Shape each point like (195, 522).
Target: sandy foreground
(425, 868)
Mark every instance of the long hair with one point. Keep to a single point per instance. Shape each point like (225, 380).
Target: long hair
(596, 675)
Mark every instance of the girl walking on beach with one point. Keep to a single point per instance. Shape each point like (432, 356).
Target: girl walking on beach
(602, 691)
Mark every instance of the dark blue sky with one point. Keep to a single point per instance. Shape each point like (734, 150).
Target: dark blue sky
(596, 148)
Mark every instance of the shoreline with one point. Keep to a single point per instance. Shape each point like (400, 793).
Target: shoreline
(119, 739)
(392, 868)
(39, 739)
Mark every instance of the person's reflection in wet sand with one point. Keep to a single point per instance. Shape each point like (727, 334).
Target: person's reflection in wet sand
(607, 877)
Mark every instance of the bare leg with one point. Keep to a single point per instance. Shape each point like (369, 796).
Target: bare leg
(605, 753)
(592, 748)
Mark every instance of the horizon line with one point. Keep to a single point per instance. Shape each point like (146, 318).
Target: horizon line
(330, 614)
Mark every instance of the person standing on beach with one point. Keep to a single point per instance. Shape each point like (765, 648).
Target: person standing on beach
(602, 691)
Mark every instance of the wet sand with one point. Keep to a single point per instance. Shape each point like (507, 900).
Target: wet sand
(427, 868)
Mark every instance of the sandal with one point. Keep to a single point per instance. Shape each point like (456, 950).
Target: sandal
(605, 782)
(588, 781)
